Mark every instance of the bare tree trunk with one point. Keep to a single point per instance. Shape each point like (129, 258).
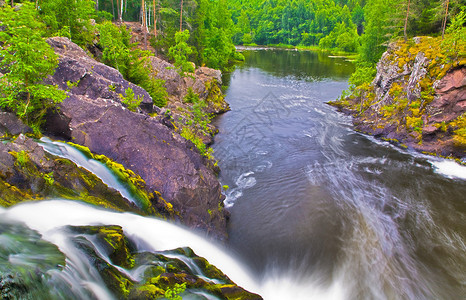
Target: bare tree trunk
(155, 19)
(119, 11)
(181, 16)
(96, 4)
(406, 21)
(445, 19)
(113, 10)
(144, 30)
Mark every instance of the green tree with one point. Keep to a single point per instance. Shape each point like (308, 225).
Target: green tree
(27, 59)
(72, 16)
(180, 52)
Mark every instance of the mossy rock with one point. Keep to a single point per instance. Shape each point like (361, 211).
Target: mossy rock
(113, 242)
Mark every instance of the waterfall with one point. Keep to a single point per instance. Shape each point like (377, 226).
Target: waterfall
(50, 219)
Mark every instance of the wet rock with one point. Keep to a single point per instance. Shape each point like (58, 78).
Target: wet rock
(28, 173)
(108, 249)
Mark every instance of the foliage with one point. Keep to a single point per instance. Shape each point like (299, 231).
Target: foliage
(27, 59)
(73, 17)
(213, 35)
(191, 96)
(132, 63)
(189, 134)
(156, 89)
(364, 73)
(22, 158)
(455, 40)
(115, 42)
(327, 23)
(130, 101)
(180, 52)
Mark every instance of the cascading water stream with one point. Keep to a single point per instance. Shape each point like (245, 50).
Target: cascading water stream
(99, 169)
(51, 218)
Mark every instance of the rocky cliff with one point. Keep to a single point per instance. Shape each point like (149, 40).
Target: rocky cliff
(93, 116)
(417, 99)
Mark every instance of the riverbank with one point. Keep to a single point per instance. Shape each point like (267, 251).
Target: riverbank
(335, 53)
(417, 98)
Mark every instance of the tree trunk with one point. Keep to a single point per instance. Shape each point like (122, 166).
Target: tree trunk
(155, 20)
(144, 30)
(406, 21)
(119, 11)
(445, 20)
(181, 16)
(113, 10)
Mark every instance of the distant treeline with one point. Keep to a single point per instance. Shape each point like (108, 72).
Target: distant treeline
(340, 24)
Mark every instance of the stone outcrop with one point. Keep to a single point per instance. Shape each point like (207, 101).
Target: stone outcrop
(205, 82)
(93, 116)
(417, 99)
(28, 173)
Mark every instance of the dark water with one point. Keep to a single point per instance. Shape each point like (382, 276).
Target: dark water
(320, 210)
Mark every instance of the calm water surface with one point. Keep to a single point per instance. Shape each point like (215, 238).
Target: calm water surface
(320, 210)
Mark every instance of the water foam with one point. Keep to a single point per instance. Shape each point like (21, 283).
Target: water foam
(449, 168)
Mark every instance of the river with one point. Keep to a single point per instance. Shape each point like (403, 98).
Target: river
(319, 209)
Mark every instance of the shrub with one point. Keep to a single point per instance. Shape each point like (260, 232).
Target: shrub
(130, 101)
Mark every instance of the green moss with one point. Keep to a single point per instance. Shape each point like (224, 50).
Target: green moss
(134, 182)
(459, 130)
(11, 195)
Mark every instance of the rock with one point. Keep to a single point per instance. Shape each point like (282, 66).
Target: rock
(93, 117)
(205, 82)
(84, 76)
(11, 125)
(450, 100)
(416, 98)
(114, 256)
(27, 173)
(166, 71)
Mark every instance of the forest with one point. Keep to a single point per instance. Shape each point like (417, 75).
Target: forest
(203, 32)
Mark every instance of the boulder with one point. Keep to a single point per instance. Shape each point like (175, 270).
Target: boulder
(167, 72)
(81, 75)
(11, 125)
(93, 117)
(205, 82)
